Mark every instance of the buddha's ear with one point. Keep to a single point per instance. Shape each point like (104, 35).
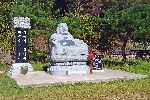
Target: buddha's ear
(66, 26)
(57, 30)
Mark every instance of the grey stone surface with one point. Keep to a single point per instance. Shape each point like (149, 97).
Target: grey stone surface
(44, 79)
(21, 22)
(20, 68)
(63, 47)
(67, 53)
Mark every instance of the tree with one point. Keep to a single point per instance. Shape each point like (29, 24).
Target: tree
(61, 7)
(6, 32)
(125, 24)
(141, 18)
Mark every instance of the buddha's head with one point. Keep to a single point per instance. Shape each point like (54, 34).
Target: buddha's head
(62, 28)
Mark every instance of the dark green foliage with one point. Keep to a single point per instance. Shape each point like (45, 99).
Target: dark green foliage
(116, 20)
(141, 19)
(125, 24)
(38, 56)
(74, 23)
(61, 7)
(6, 32)
(5, 19)
(41, 23)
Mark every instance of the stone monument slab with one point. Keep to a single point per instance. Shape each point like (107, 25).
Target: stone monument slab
(21, 65)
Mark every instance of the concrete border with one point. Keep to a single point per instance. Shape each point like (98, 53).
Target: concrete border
(41, 78)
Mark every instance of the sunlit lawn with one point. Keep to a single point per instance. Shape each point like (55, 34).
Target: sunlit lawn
(115, 90)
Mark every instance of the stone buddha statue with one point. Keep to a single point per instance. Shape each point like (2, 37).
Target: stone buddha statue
(68, 55)
(65, 48)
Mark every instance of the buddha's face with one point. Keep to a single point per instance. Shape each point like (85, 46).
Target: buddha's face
(63, 29)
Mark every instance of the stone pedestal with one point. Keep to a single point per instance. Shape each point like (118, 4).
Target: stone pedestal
(98, 70)
(20, 68)
(68, 70)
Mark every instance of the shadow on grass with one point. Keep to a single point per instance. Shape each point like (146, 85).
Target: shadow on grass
(45, 68)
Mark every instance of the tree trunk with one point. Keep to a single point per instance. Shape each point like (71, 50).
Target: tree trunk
(123, 53)
(144, 45)
(123, 48)
(33, 2)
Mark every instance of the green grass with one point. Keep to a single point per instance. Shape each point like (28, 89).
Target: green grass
(2, 67)
(115, 90)
(40, 66)
(136, 66)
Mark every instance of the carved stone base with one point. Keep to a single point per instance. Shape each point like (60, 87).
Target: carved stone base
(20, 68)
(68, 70)
(98, 70)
